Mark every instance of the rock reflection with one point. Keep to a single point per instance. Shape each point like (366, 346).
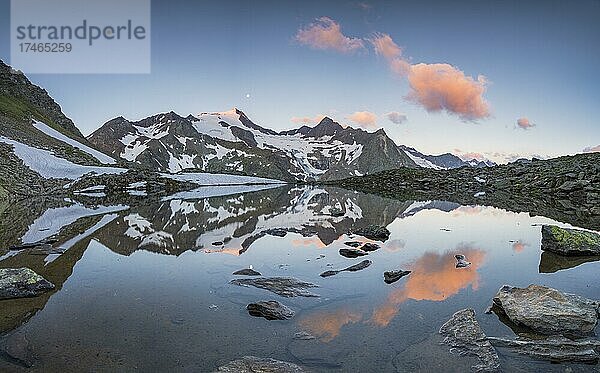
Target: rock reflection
(327, 324)
(551, 262)
(434, 277)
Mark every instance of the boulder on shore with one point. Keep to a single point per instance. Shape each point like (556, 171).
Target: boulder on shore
(465, 337)
(548, 311)
(22, 283)
(251, 364)
(270, 310)
(570, 242)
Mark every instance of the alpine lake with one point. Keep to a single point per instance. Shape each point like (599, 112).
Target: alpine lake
(144, 284)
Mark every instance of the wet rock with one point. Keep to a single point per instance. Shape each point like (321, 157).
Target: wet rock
(304, 336)
(370, 247)
(461, 261)
(374, 232)
(570, 242)
(352, 253)
(247, 272)
(357, 267)
(270, 310)
(464, 335)
(353, 243)
(392, 276)
(253, 364)
(22, 282)
(278, 232)
(217, 243)
(16, 347)
(285, 286)
(551, 262)
(548, 311)
(555, 349)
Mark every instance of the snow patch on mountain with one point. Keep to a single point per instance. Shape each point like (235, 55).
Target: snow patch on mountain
(220, 179)
(49, 166)
(103, 158)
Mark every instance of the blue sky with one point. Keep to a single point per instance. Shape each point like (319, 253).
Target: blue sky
(539, 60)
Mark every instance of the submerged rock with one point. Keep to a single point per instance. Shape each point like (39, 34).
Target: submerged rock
(304, 336)
(374, 232)
(571, 242)
(392, 276)
(357, 267)
(270, 310)
(247, 272)
(461, 261)
(285, 286)
(253, 364)
(352, 253)
(556, 349)
(548, 311)
(21, 283)
(464, 335)
(370, 247)
(353, 243)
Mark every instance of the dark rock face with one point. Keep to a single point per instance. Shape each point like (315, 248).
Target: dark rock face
(247, 272)
(253, 364)
(21, 283)
(285, 286)
(548, 311)
(277, 232)
(374, 232)
(336, 212)
(270, 310)
(357, 267)
(554, 349)
(392, 276)
(570, 242)
(461, 261)
(464, 336)
(352, 253)
(370, 247)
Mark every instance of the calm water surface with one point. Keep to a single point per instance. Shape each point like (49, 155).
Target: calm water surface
(144, 286)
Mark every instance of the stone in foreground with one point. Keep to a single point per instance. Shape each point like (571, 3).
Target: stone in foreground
(374, 232)
(461, 261)
(464, 335)
(270, 310)
(570, 242)
(357, 267)
(247, 272)
(22, 283)
(352, 252)
(392, 276)
(285, 286)
(556, 349)
(253, 364)
(548, 311)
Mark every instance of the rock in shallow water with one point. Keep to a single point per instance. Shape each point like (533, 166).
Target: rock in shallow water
(464, 335)
(247, 272)
(285, 286)
(352, 253)
(374, 232)
(570, 242)
(21, 283)
(556, 349)
(270, 310)
(370, 247)
(548, 311)
(253, 364)
(353, 243)
(461, 261)
(357, 267)
(392, 276)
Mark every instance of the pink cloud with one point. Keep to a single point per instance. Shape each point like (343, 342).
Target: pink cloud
(364, 119)
(524, 123)
(308, 120)
(444, 87)
(467, 156)
(386, 47)
(592, 149)
(326, 34)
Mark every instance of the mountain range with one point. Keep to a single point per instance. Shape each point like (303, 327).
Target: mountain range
(212, 142)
